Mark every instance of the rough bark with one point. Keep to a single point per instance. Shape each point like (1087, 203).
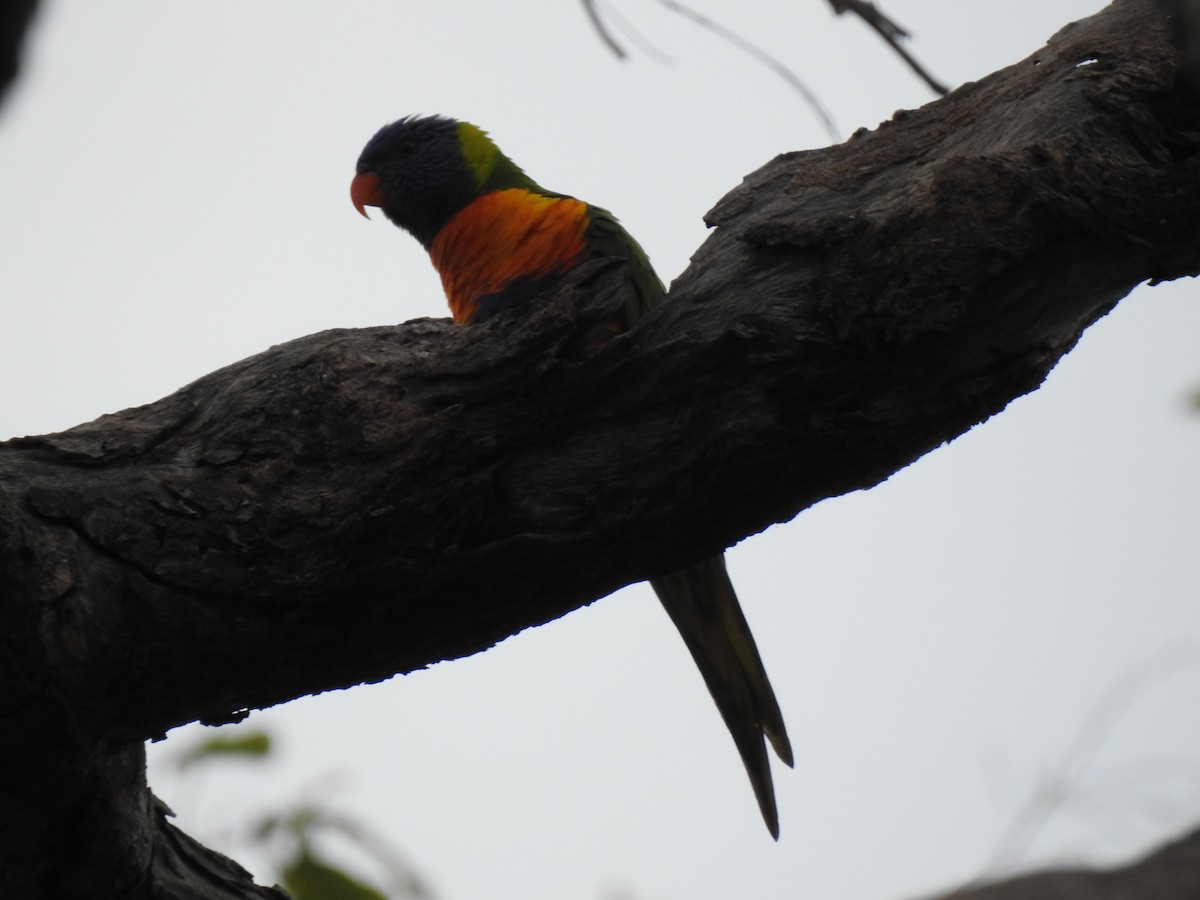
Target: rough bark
(359, 503)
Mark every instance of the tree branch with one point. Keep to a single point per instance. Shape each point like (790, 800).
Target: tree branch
(892, 34)
(359, 503)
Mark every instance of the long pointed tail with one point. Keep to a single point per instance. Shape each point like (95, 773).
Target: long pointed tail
(701, 602)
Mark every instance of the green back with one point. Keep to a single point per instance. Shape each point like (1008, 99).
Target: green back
(493, 171)
(607, 238)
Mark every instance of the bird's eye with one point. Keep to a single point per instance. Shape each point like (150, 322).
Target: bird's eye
(406, 148)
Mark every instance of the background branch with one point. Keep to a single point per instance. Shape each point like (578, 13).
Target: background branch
(892, 33)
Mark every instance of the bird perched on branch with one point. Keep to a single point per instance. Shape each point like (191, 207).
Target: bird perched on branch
(499, 240)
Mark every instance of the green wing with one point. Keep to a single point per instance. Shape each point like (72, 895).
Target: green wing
(606, 237)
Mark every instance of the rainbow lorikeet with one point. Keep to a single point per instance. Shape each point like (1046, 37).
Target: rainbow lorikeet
(499, 240)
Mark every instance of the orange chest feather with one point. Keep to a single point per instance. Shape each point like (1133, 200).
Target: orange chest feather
(504, 237)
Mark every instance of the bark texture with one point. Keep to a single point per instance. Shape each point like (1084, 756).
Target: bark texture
(360, 503)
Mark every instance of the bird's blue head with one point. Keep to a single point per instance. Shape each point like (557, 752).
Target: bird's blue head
(415, 170)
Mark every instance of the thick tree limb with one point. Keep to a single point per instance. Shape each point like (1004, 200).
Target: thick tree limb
(360, 503)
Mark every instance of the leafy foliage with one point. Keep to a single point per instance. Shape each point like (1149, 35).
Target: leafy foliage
(295, 836)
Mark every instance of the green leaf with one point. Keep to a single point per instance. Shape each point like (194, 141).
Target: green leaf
(250, 744)
(307, 878)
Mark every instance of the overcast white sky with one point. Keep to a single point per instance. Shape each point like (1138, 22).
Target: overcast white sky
(175, 183)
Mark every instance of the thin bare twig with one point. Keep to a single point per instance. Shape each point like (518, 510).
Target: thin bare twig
(890, 32)
(593, 14)
(591, 7)
(762, 56)
(626, 28)
(1063, 782)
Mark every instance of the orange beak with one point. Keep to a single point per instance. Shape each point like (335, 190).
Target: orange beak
(366, 190)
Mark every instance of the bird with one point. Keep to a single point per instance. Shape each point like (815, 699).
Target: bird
(499, 241)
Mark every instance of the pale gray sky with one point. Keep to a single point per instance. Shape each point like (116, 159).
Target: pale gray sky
(175, 198)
